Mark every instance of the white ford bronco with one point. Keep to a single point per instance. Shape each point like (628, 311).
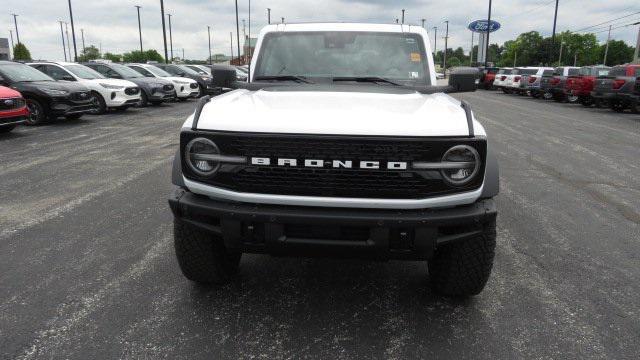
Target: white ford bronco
(340, 144)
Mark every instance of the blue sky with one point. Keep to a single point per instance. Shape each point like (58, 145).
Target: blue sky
(113, 23)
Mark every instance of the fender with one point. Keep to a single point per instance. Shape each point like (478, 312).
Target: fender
(491, 176)
(176, 173)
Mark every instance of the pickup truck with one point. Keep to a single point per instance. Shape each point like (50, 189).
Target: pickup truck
(340, 144)
(558, 82)
(530, 83)
(611, 90)
(514, 81)
(581, 85)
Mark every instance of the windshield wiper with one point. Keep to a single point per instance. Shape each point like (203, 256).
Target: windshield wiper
(370, 79)
(300, 79)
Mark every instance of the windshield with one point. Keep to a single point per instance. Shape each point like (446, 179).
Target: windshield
(157, 71)
(126, 72)
(20, 73)
(396, 56)
(198, 69)
(187, 70)
(84, 72)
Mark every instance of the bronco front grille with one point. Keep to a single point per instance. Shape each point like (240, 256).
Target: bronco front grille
(324, 182)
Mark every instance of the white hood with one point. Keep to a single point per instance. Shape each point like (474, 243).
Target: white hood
(114, 82)
(336, 113)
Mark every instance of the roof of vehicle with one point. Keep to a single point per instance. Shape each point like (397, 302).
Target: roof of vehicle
(336, 26)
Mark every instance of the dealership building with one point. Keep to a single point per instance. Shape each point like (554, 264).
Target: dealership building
(4, 49)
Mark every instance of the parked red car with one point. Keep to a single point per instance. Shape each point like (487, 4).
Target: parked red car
(582, 85)
(13, 109)
(487, 77)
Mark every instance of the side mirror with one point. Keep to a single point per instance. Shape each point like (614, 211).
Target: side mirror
(463, 80)
(68, 78)
(224, 76)
(182, 74)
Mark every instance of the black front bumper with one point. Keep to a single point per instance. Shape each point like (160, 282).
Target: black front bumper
(335, 232)
(69, 107)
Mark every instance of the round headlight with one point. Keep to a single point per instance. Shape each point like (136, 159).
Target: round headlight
(197, 155)
(461, 165)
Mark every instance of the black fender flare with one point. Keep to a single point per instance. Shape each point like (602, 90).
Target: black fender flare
(491, 186)
(176, 172)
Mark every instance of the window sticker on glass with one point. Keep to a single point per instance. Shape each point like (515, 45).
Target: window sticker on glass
(415, 57)
(411, 41)
(415, 75)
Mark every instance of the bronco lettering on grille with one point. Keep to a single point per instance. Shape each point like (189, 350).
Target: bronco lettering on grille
(336, 164)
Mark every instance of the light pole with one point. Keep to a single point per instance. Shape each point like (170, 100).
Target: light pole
(606, 50)
(84, 50)
(11, 51)
(209, 35)
(170, 36)
(66, 29)
(139, 27)
(269, 16)
(283, 20)
(486, 45)
(403, 16)
(471, 51)
(423, 20)
(238, 31)
(553, 35)
(446, 44)
(636, 54)
(164, 33)
(231, 36)
(64, 47)
(435, 41)
(15, 22)
(73, 34)
(249, 40)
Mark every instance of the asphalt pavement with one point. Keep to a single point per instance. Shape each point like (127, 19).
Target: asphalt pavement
(87, 269)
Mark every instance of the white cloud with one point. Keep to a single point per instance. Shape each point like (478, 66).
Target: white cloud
(113, 23)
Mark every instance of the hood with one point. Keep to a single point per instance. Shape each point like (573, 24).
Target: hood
(400, 113)
(57, 85)
(114, 82)
(180, 79)
(6, 92)
(150, 81)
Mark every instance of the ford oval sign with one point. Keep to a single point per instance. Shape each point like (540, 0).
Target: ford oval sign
(480, 26)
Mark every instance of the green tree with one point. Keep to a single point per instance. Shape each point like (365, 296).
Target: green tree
(144, 56)
(112, 57)
(619, 53)
(20, 52)
(453, 62)
(89, 53)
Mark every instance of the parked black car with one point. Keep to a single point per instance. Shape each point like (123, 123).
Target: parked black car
(632, 99)
(46, 98)
(205, 81)
(154, 90)
(612, 90)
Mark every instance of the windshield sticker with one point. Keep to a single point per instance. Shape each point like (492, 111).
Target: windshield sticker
(411, 41)
(415, 57)
(415, 75)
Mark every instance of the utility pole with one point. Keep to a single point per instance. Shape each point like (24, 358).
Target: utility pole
(446, 43)
(139, 27)
(170, 36)
(11, 51)
(64, 47)
(561, 46)
(231, 35)
(553, 35)
(84, 49)
(209, 34)
(423, 20)
(575, 59)
(283, 20)
(238, 32)
(403, 16)
(435, 41)
(164, 32)
(486, 49)
(73, 33)
(249, 47)
(606, 50)
(244, 29)
(182, 54)
(515, 58)
(636, 55)
(397, 21)
(15, 22)
(66, 29)
(269, 16)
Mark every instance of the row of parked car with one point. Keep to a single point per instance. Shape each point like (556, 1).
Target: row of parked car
(36, 92)
(615, 87)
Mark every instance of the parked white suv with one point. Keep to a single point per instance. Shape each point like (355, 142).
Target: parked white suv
(107, 93)
(501, 77)
(185, 87)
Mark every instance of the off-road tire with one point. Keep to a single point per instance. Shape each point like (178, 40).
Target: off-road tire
(463, 269)
(203, 257)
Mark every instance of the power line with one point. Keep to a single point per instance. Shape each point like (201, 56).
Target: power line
(605, 27)
(617, 27)
(606, 22)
